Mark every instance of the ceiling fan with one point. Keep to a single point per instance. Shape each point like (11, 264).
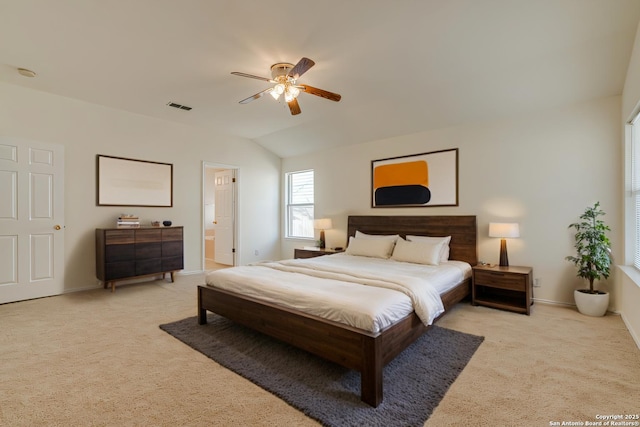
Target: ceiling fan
(285, 77)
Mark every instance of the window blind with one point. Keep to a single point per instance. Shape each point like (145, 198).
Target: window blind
(300, 204)
(635, 184)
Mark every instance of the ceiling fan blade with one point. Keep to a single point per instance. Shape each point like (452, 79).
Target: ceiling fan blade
(251, 76)
(323, 93)
(256, 96)
(300, 68)
(294, 107)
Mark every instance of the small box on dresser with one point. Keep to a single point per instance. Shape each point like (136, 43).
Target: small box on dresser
(123, 254)
(507, 288)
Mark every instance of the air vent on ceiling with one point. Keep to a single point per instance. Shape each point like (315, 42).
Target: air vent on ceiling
(178, 106)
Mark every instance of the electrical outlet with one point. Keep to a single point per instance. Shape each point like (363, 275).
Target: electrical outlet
(256, 252)
(536, 283)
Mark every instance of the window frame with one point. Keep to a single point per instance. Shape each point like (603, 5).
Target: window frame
(290, 205)
(633, 199)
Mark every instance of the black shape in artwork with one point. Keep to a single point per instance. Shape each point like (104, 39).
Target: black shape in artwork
(402, 195)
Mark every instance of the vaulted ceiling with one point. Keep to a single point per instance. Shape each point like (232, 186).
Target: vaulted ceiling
(401, 66)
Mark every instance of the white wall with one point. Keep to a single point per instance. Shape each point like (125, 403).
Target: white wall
(86, 130)
(540, 170)
(631, 91)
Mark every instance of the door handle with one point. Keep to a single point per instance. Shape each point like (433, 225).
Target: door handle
(215, 222)
(57, 227)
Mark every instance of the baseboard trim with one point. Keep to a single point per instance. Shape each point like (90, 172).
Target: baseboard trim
(99, 284)
(551, 302)
(189, 273)
(566, 304)
(633, 333)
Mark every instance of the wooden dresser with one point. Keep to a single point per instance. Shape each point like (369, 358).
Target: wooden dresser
(123, 254)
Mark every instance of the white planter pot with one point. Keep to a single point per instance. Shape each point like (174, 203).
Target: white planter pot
(591, 304)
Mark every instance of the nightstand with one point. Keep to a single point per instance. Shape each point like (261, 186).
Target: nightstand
(312, 252)
(507, 288)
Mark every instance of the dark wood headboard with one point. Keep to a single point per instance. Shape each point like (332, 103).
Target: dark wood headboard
(462, 229)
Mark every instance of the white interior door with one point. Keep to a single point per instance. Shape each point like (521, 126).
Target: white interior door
(31, 219)
(224, 216)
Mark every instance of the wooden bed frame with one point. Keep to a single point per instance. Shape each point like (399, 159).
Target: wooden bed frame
(351, 347)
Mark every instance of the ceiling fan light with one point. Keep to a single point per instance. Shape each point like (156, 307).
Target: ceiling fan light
(294, 91)
(275, 94)
(288, 97)
(279, 89)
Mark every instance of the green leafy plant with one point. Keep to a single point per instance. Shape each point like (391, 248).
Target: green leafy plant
(593, 248)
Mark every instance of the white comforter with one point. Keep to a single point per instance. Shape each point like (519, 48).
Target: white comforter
(366, 293)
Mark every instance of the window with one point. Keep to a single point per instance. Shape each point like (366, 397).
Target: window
(635, 186)
(299, 204)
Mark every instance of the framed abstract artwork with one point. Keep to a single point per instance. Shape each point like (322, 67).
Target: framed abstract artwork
(426, 179)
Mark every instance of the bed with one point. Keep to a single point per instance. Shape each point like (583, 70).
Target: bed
(352, 347)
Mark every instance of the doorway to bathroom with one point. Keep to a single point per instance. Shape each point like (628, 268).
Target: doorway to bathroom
(219, 216)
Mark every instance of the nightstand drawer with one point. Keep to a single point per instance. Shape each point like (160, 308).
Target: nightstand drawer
(311, 252)
(299, 253)
(498, 279)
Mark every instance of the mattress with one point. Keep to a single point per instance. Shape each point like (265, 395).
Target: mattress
(363, 292)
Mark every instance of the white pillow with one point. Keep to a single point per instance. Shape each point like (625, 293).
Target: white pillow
(417, 252)
(391, 237)
(360, 235)
(444, 252)
(377, 248)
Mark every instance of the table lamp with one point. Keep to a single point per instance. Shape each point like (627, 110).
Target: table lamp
(322, 224)
(504, 230)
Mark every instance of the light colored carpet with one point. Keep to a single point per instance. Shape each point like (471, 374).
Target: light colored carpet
(97, 358)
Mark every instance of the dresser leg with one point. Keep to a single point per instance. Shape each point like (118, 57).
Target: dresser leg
(113, 287)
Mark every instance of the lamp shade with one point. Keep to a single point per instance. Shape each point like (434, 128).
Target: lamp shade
(504, 229)
(322, 224)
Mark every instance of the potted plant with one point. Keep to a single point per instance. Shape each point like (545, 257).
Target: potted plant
(593, 260)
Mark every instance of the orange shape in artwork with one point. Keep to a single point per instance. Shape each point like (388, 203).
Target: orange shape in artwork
(408, 173)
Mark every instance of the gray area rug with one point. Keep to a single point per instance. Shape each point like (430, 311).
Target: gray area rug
(414, 382)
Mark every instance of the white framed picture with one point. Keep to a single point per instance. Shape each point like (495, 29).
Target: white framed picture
(131, 182)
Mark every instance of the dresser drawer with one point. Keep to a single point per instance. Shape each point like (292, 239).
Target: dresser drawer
(173, 263)
(119, 237)
(148, 266)
(148, 235)
(148, 250)
(119, 270)
(497, 279)
(117, 253)
(174, 233)
(172, 249)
